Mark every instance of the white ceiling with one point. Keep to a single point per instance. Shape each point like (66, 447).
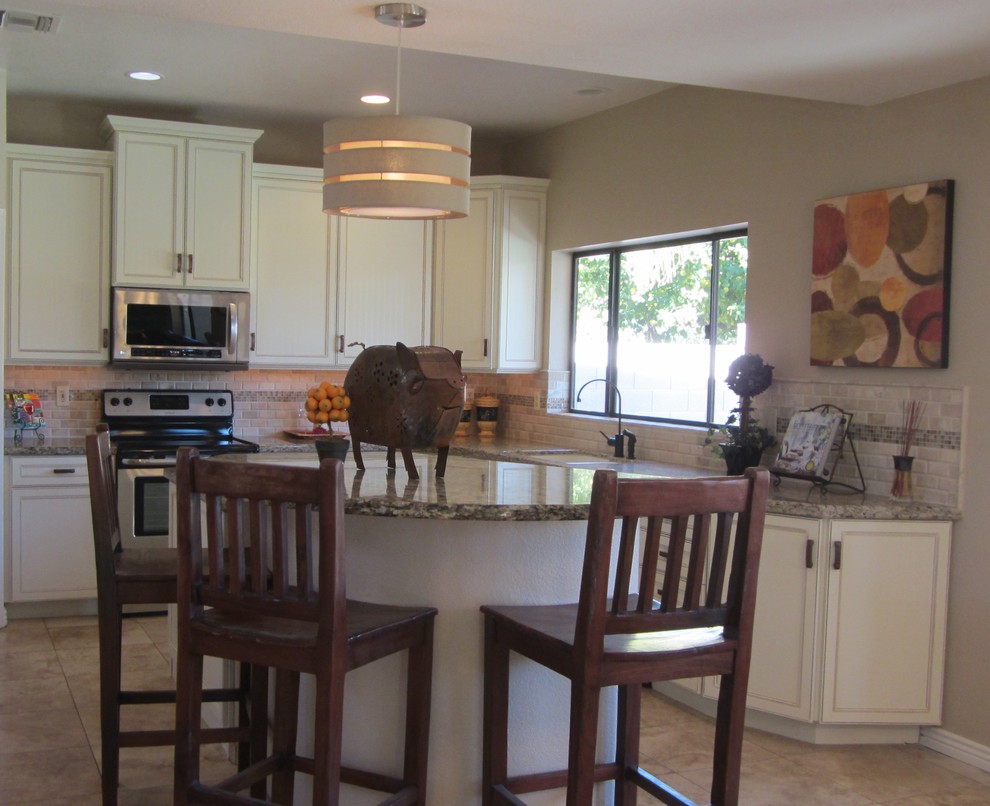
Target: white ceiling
(507, 67)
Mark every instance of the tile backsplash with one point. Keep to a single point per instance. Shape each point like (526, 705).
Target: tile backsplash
(533, 408)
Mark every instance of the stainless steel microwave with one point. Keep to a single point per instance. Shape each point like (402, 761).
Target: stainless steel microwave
(175, 328)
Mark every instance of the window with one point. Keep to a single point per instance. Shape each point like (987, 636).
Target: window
(643, 322)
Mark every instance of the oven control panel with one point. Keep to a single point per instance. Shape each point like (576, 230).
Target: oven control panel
(167, 403)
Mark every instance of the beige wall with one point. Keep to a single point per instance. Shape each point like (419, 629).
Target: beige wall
(692, 158)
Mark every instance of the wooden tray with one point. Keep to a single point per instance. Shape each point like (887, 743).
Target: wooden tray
(306, 433)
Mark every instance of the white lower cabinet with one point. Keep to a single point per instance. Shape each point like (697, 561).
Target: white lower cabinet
(49, 530)
(885, 622)
(850, 622)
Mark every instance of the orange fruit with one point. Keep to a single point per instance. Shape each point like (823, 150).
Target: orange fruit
(311, 416)
(322, 416)
(311, 403)
(321, 394)
(338, 402)
(347, 400)
(325, 404)
(312, 391)
(344, 415)
(335, 415)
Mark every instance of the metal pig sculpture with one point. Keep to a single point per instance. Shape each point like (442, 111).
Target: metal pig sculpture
(405, 397)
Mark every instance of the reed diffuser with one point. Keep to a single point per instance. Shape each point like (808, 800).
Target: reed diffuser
(901, 487)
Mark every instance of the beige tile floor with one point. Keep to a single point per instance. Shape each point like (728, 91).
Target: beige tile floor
(49, 738)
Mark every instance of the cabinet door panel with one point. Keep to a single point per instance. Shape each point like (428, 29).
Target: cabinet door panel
(60, 260)
(885, 624)
(521, 314)
(383, 283)
(51, 544)
(292, 301)
(148, 217)
(464, 284)
(782, 674)
(218, 176)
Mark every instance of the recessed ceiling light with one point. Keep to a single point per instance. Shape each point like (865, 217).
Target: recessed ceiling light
(375, 99)
(144, 75)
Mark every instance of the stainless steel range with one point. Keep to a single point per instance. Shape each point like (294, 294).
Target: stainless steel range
(147, 428)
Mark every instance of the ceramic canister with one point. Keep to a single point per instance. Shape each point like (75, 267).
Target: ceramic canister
(486, 411)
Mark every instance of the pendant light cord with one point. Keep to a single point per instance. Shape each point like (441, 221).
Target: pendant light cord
(398, 74)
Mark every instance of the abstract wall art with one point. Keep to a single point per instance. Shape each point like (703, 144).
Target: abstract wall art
(880, 278)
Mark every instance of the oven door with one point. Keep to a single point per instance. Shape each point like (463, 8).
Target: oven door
(143, 507)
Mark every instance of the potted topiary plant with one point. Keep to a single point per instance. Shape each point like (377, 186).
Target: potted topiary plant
(742, 440)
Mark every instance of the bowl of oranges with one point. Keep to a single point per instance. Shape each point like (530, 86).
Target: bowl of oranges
(325, 405)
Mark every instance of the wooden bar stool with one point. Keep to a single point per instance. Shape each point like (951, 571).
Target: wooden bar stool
(701, 625)
(145, 576)
(300, 623)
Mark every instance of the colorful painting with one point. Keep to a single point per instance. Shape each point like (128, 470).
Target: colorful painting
(880, 278)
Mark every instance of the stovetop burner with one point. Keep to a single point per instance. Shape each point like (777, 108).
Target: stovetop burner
(149, 424)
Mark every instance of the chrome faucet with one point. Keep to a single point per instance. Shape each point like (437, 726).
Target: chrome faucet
(623, 435)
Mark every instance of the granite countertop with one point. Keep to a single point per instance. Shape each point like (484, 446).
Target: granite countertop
(502, 481)
(499, 480)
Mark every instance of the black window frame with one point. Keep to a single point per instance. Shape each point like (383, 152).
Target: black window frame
(611, 409)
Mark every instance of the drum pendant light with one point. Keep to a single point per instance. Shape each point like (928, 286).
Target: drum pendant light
(395, 166)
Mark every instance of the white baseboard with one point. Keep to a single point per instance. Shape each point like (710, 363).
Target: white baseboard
(957, 747)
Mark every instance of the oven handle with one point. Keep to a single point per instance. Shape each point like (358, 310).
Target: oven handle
(132, 462)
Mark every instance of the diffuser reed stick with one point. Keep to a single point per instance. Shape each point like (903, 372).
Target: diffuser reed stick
(911, 416)
(912, 412)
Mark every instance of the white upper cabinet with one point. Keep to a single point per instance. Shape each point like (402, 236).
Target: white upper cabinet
(293, 293)
(182, 203)
(489, 276)
(59, 202)
(383, 284)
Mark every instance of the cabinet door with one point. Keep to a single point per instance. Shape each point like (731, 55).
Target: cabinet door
(464, 283)
(59, 256)
(217, 214)
(149, 212)
(783, 673)
(293, 291)
(521, 261)
(51, 544)
(885, 622)
(383, 276)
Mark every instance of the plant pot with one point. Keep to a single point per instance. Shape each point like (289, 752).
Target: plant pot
(739, 457)
(332, 448)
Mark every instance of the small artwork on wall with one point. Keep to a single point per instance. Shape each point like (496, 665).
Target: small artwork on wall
(880, 278)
